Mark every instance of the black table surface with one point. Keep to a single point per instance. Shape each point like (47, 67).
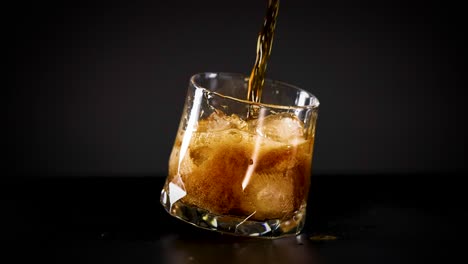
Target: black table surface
(415, 218)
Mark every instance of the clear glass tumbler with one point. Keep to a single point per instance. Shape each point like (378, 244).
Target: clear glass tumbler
(240, 167)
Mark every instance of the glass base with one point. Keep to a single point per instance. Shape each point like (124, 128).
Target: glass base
(234, 225)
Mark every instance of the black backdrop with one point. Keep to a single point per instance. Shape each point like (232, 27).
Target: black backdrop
(97, 87)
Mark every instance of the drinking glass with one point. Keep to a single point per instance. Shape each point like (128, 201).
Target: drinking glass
(240, 167)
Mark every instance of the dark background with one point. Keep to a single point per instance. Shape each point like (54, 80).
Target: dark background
(98, 87)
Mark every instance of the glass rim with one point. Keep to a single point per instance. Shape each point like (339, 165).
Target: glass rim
(313, 106)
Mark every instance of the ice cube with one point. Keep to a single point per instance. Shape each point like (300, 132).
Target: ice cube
(269, 195)
(200, 154)
(237, 122)
(216, 121)
(283, 127)
(220, 121)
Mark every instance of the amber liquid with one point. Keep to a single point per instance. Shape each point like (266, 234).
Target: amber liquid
(228, 169)
(264, 45)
